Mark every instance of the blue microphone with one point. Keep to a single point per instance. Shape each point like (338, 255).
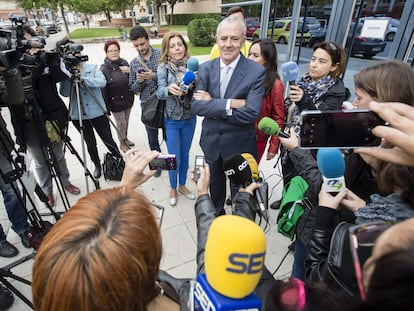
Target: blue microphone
(290, 72)
(331, 164)
(190, 75)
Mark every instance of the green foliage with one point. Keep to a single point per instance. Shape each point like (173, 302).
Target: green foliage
(185, 19)
(201, 32)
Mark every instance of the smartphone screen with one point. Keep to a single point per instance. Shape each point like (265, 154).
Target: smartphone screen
(339, 129)
(199, 162)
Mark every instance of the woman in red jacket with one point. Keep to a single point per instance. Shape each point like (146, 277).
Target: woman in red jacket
(263, 51)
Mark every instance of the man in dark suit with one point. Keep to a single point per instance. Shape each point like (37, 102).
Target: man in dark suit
(229, 112)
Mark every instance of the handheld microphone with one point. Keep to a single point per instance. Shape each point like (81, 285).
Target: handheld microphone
(270, 127)
(192, 64)
(331, 164)
(188, 78)
(237, 169)
(254, 168)
(290, 72)
(234, 259)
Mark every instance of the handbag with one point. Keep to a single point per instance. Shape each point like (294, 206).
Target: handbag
(113, 167)
(152, 114)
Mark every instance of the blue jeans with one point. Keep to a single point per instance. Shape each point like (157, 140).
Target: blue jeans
(15, 210)
(179, 137)
(300, 254)
(153, 139)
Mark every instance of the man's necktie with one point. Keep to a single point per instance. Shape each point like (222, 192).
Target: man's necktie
(224, 80)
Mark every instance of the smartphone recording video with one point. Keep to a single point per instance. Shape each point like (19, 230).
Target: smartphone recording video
(344, 129)
(166, 162)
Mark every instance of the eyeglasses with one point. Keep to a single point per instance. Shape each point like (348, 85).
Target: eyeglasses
(364, 235)
(112, 51)
(159, 213)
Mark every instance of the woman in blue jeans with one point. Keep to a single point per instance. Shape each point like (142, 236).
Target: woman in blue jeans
(180, 122)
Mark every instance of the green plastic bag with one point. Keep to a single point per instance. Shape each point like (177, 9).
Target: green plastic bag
(291, 207)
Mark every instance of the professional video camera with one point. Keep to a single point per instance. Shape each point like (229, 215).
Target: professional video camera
(13, 49)
(72, 55)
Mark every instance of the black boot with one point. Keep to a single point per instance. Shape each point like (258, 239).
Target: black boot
(98, 171)
(6, 298)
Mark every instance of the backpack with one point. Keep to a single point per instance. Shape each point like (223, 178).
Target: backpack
(292, 206)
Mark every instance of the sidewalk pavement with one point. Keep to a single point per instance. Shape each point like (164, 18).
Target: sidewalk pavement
(179, 228)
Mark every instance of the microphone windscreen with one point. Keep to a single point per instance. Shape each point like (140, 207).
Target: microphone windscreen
(290, 71)
(234, 255)
(189, 77)
(268, 126)
(254, 167)
(192, 64)
(331, 162)
(237, 170)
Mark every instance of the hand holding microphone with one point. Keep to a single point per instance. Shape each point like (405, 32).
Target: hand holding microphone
(331, 164)
(270, 127)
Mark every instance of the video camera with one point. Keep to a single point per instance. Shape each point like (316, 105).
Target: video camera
(72, 55)
(13, 50)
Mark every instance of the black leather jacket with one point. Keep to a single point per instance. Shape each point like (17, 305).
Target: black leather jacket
(205, 214)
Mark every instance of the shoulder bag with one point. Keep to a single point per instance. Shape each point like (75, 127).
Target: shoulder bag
(113, 167)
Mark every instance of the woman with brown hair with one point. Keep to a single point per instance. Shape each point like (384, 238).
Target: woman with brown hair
(180, 121)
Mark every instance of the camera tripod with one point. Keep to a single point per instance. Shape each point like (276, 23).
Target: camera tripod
(38, 227)
(76, 83)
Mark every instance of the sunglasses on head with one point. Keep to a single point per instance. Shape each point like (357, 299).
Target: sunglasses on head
(364, 235)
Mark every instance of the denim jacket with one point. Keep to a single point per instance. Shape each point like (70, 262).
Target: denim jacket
(177, 107)
(93, 78)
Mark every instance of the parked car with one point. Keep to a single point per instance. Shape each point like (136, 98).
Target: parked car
(144, 19)
(392, 28)
(38, 28)
(50, 27)
(368, 47)
(281, 32)
(252, 23)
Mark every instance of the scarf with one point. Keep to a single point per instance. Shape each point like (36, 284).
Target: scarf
(115, 64)
(390, 208)
(179, 67)
(315, 89)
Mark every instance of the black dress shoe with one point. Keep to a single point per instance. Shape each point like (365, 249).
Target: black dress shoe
(7, 249)
(6, 298)
(25, 239)
(97, 172)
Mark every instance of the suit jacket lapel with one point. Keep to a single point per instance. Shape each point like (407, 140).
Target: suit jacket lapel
(215, 78)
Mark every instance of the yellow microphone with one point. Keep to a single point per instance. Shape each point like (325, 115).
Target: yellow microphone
(254, 167)
(234, 256)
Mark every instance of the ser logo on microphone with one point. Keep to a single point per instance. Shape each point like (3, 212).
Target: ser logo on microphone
(246, 263)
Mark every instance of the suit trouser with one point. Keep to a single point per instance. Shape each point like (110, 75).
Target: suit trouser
(101, 126)
(15, 210)
(218, 186)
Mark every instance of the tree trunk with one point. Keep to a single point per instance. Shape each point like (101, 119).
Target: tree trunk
(172, 14)
(62, 11)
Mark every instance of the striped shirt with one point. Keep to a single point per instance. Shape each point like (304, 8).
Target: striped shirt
(146, 87)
